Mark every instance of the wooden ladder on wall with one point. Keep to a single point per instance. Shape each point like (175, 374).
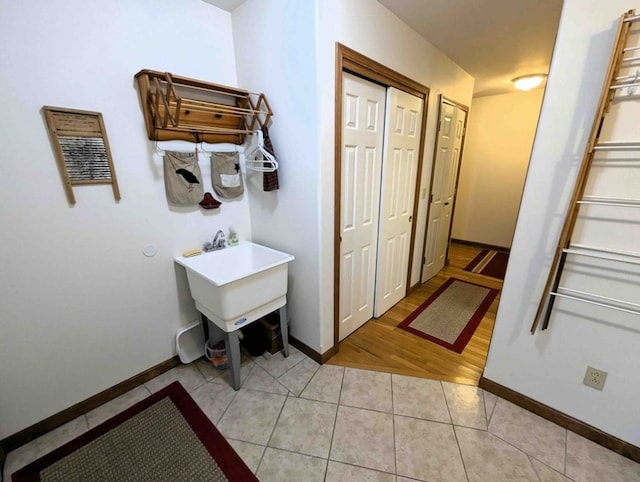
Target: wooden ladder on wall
(621, 56)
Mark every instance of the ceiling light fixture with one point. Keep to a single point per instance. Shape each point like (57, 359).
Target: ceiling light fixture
(528, 82)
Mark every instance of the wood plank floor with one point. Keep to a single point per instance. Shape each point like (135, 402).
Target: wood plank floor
(378, 345)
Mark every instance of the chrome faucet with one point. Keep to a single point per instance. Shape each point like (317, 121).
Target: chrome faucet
(219, 241)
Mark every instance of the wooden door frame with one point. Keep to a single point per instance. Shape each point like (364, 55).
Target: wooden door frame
(348, 60)
(441, 100)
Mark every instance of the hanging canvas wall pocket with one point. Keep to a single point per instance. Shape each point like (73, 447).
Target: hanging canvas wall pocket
(182, 178)
(226, 178)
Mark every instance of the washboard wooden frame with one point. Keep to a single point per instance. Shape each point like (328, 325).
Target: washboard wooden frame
(80, 142)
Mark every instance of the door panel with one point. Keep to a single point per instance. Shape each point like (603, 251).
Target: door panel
(363, 135)
(443, 188)
(399, 170)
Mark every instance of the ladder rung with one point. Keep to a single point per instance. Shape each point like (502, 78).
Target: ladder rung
(627, 78)
(600, 297)
(570, 294)
(610, 201)
(630, 49)
(600, 253)
(631, 59)
(616, 146)
(633, 19)
(624, 86)
(633, 254)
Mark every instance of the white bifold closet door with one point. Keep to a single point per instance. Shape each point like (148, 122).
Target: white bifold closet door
(363, 108)
(378, 173)
(399, 170)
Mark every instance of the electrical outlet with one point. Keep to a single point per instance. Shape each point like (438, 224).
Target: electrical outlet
(595, 378)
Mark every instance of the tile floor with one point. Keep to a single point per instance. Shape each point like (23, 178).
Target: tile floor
(294, 420)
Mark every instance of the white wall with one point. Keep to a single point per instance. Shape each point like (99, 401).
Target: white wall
(82, 309)
(371, 29)
(549, 367)
(275, 54)
(497, 148)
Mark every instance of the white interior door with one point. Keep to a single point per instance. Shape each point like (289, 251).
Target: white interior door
(363, 108)
(399, 170)
(443, 188)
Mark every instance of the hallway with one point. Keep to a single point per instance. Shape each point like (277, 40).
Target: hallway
(379, 346)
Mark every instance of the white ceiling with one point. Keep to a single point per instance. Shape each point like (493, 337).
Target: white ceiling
(493, 40)
(228, 5)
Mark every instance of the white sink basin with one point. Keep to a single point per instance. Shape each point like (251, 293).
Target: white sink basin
(239, 284)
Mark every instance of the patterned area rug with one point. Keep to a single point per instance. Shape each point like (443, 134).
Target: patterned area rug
(450, 316)
(489, 263)
(165, 437)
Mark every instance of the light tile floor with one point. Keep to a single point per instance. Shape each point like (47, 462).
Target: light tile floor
(294, 420)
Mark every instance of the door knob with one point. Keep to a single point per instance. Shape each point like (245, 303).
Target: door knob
(446, 204)
(410, 218)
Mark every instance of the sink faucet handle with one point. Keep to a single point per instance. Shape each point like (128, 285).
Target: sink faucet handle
(219, 239)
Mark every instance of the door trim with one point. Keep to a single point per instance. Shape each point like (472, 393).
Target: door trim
(348, 60)
(441, 100)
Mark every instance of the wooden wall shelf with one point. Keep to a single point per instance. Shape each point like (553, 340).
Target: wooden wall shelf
(180, 108)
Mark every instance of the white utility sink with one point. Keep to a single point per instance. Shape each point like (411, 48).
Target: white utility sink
(239, 284)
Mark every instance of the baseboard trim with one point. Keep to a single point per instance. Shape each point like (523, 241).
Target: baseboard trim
(36, 430)
(311, 353)
(481, 245)
(414, 287)
(594, 434)
(3, 458)
(328, 354)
